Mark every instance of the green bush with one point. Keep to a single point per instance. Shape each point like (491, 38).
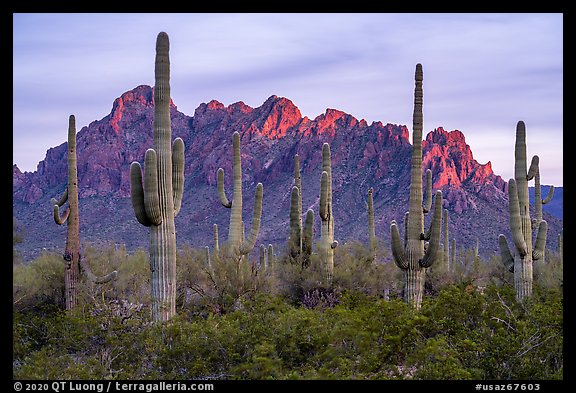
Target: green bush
(238, 322)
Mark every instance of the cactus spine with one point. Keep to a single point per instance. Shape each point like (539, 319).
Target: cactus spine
(412, 258)
(157, 198)
(520, 261)
(237, 245)
(327, 242)
(446, 242)
(72, 255)
(371, 229)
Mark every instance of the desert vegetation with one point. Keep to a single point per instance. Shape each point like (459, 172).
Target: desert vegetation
(306, 309)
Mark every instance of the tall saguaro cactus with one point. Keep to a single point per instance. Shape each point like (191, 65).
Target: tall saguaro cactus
(237, 245)
(520, 261)
(327, 242)
(447, 265)
(371, 228)
(72, 256)
(538, 202)
(157, 196)
(300, 242)
(412, 258)
(295, 242)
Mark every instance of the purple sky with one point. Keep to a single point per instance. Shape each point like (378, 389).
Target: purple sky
(482, 72)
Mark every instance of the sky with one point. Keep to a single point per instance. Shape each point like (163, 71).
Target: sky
(482, 72)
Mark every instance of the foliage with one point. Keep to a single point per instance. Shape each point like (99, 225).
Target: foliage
(238, 322)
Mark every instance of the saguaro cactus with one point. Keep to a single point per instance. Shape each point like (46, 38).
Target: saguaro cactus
(263, 252)
(327, 242)
(237, 246)
(72, 255)
(216, 242)
(295, 241)
(520, 261)
(453, 252)
(371, 229)
(270, 258)
(446, 242)
(300, 242)
(538, 202)
(157, 197)
(412, 258)
(307, 238)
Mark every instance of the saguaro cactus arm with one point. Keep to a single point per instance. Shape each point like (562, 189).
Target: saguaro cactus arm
(533, 168)
(539, 247)
(505, 254)
(247, 245)
(62, 199)
(428, 200)
(177, 173)
(397, 248)
(324, 210)
(431, 253)
(549, 196)
(151, 188)
(137, 194)
(515, 220)
(221, 193)
(92, 277)
(60, 219)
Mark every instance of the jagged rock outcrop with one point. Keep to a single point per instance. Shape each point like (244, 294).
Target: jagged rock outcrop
(363, 155)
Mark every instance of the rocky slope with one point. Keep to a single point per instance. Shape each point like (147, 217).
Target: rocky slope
(363, 155)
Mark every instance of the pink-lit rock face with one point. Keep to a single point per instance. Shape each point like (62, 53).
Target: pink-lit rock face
(271, 134)
(452, 162)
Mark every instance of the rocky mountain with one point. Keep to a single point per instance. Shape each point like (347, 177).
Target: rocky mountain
(363, 155)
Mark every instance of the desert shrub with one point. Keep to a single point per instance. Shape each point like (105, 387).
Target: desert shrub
(133, 280)
(40, 283)
(220, 287)
(354, 269)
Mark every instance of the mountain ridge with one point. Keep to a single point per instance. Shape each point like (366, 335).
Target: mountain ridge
(363, 155)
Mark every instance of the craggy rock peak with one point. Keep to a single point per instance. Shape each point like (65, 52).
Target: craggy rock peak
(454, 170)
(452, 162)
(363, 155)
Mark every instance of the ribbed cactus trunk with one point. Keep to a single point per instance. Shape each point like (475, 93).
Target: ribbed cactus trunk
(307, 238)
(157, 198)
(371, 228)
(295, 241)
(453, 252)
(216, 242)
(327, 242)
(412, 258)
(74, 262)
(447, 265)
(263, 252)
(238, 246)
(521, 260)
(538, 202)
(270, 257)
